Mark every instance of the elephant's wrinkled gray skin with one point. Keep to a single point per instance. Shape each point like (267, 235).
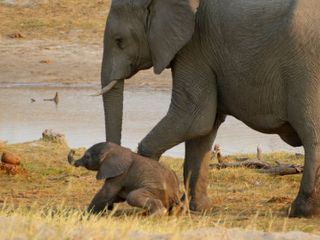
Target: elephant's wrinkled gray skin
(140, 181)
(256, 60)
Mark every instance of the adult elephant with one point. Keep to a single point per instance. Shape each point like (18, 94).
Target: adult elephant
(258, 60)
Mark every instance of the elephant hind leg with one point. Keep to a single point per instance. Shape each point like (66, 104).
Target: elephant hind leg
(307, 203)
(195, 172)
(142, 198)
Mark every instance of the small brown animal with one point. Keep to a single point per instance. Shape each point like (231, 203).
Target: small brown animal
(140, 181)
(10, 158)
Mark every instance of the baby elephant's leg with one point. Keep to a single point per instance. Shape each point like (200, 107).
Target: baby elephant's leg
(106, 197)
(116, 200)
(144, 199)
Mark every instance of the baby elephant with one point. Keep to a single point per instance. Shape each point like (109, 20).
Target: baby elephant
(140, 181)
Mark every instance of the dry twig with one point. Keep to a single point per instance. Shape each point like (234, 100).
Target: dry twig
(264, 167)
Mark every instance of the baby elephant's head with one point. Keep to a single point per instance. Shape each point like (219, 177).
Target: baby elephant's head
(109, 159)
(91, 159)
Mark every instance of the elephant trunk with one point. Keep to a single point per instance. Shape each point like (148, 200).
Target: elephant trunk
(113, 111)
(72, 161)
(112, 81)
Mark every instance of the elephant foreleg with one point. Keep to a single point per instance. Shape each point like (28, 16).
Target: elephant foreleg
(192, 118)
(195, 171)
(193, 106)
(169, 132)
(105, 198)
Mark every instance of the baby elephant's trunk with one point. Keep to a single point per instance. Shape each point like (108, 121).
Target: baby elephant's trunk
(73, 162)
(70, 158)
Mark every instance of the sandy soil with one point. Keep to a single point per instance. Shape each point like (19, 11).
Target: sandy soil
(225, 234)
(55, 62)
(47, 231)
(23, 3)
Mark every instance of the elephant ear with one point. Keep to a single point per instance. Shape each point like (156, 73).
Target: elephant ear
(114, 163)
(170, 27)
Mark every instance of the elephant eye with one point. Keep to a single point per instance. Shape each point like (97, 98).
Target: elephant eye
(119, 42)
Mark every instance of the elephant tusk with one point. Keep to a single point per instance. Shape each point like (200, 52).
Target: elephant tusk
(106, 88)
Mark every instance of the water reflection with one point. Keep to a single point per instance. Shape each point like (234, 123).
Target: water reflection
(80, 117)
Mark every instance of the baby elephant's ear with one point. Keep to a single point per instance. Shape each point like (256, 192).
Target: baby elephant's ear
(114, 163)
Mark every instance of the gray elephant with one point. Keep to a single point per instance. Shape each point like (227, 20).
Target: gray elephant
(255, 60)
(140, 181)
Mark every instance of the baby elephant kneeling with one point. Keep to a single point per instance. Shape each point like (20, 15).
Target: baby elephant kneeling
(140, 181)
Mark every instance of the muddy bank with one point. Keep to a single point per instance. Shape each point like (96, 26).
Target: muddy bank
(54, 62)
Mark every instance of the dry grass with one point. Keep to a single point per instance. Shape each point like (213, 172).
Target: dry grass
(53, 196)
(81, 20)
(48, 201)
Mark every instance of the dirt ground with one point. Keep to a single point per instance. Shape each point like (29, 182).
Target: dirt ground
(58, 42)
(55, 62)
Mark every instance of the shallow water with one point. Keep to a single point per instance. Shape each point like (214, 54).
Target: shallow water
(80, 117)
